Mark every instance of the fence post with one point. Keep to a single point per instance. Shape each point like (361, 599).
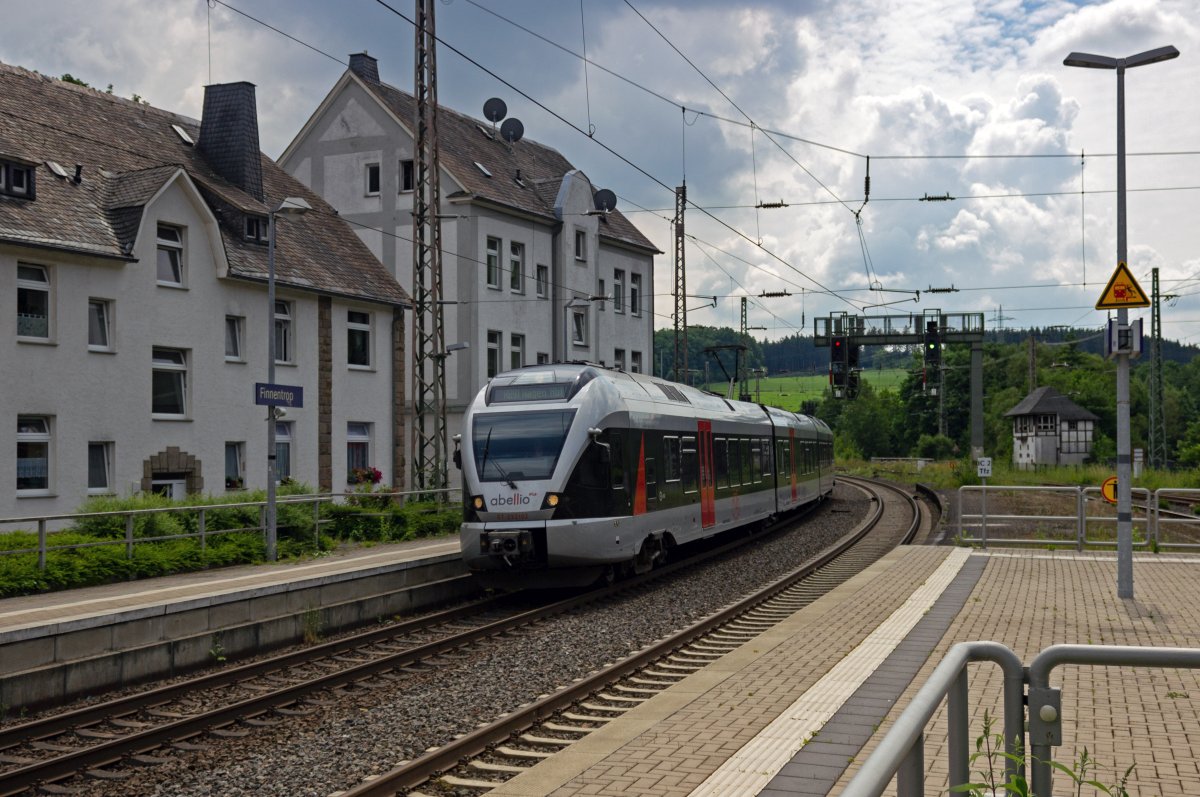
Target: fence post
(1154, 520)
(202, 530)
(129, 536)
(42, 544)
(959, 729)
(316, 524)
(262, 522)
(1080, 518)
(910, 777)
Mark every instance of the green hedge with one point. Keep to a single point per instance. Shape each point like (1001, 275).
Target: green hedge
(367, 519)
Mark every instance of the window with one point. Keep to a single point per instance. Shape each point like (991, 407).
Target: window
(257, 229)
(672, 465)
(516, 351)
(407, 180)
(358, 338)
(33, 454)
(543, 282)
(493, 353)
(619, 358)
(516, 267)
(721, 461)
(169, 382)
(235, 466)
(372, 179)
(33, 302)
(358, 447)
(543, 358)
(283, 450)
(619, 290)
(16, 179)
(99, 468)
(235, 331)
(581, 245)
(579, 327)
(493, 262)
(690, 464)
(283, 332)
(635, 362)
(635, 294)
(600, 292)
(170, 256)
(99, 329)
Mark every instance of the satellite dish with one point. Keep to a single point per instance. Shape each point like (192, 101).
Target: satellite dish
(605, 200)
(512, 130)
(495, 110)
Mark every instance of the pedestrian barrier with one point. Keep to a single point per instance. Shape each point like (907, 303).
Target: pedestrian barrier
(1154, 526)
(45, 532)
(900, 754)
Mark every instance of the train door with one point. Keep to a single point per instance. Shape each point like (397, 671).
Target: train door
(708, 489)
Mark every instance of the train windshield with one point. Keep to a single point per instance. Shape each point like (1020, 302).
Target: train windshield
(519, 445)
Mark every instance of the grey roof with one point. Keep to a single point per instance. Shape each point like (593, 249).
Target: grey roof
(1048, 401)
(464, 141)
(128, 151)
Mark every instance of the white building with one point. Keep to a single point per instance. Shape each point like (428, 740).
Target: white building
(133, 268)
(1050, 429)
(521, 236)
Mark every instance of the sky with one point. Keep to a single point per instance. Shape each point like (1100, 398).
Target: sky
(764, 101)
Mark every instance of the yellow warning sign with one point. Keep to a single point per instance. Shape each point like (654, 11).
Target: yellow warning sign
(1109, 489)
(1122, 291)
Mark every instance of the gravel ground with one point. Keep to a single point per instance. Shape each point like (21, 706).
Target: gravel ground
(362, 731)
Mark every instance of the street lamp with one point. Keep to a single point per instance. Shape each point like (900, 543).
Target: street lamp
(291, 206)
(1124, 460)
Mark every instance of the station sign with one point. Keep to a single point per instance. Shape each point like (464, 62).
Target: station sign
(271, 395)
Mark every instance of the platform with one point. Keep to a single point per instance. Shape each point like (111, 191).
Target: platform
(796, 710)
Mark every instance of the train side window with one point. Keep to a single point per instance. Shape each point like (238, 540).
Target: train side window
(744, 460)
(671, 461)
(785, 460)
(721, 462)
(756, 459)
(690, 465)
(735, 465)
(616, 446)
(766, 458)
(651, 480)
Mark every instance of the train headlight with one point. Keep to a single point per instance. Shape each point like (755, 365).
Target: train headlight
(477, 502)
(551, 501)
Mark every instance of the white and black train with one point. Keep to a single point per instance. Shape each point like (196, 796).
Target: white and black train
(573, 473)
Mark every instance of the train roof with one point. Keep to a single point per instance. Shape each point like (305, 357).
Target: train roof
(562, 381)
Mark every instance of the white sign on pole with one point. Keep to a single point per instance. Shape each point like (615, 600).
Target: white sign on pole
(985, 467)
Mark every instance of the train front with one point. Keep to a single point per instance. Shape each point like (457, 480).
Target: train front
(537, 500)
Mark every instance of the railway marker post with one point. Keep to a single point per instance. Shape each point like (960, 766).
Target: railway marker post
(984, 470)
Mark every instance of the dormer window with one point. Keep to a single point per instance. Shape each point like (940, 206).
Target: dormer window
(16, 179)
(256, 229)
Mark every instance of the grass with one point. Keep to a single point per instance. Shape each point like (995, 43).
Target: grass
(788, 391)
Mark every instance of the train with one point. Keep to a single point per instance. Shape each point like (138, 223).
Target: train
(575, 473)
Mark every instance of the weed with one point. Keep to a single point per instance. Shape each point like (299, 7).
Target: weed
(217, 651)
(311, 623)
(1177, 695)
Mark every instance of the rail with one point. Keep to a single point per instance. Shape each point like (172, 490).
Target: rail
(1153, 525)
(201, 513)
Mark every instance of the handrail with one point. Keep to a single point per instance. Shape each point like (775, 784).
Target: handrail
(901, 752)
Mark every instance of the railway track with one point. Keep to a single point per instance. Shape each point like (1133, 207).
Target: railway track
(496, 752)
(100, 739)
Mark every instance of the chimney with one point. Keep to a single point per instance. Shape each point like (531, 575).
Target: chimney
(365, 66)
(229, 135)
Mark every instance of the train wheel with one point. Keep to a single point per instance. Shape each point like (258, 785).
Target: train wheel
(650, 555)
(607, 576)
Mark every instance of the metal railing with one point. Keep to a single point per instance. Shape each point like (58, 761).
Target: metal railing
(1151, 523)
(900, 753)
(201, 512)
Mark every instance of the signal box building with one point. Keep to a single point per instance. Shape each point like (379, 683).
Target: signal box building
(1050, 429)
(134, 313)
(524, 247)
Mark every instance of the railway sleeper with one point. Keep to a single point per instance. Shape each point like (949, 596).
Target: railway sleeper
(530, 755)
(469, 783)
(545, 741)
(570, 715)
(488, 766)
(562, 728)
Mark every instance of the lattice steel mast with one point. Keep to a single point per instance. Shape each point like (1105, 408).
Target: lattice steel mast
(681, 347)
(428, 358)
(1158, 423)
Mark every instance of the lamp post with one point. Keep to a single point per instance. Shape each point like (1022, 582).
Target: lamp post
(1124, 460)
(291, 206)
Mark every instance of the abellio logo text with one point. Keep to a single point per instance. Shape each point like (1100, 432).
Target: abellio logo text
(510, 500)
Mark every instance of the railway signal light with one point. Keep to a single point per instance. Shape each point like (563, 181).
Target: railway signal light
(837, 364)
(933, 344)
